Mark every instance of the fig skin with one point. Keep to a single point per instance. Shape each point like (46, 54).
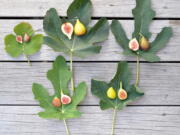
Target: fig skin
(26, 37)
(134, 44)
(19, 39)
(144, 43)
(79, 28)
(111, 93)
(122, 94)
(56, 102)
(67, 29)
(65, 99)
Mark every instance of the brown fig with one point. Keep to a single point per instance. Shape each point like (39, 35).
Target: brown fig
(144, 43)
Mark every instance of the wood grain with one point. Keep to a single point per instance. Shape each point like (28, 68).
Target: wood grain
(159, 81)
(22, 120)
(107, 8)
(111, 51)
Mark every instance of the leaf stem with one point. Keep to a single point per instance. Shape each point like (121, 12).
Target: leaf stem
(71, 69)
(137, 71)
(113, 121)
(27, 57)
(67, 129)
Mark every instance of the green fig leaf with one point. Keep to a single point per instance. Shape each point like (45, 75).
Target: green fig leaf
(162, 38)
(123, 74)
(148, 56)
(143, 15)
(81, 9)
(12, 47)
(59, 76)
(80, 46)
(15, 49)
(22, 28)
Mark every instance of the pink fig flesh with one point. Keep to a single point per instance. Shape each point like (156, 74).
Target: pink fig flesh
(67, 29)
(65, 99)
(134, 45)
(19, 39)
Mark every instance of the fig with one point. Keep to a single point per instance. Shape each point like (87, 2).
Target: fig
(134, 45)
(19, 39)
(56, 102)
(79, 28)
(122, 94)
(65, 99)
(111, 93)
(26, 37)
(144, 43)
(67, 29)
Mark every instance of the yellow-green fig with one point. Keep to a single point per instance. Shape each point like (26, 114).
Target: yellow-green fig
(144, 43)
(79, 28)
(111, 93)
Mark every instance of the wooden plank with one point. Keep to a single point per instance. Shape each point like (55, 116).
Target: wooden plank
(110, 51)
(159, 81)
(108, 8)
(22, 120)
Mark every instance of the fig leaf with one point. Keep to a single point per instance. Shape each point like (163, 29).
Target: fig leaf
(59, 76)
(123, 74)
(16, 49)
(80, 46)
(143, 15)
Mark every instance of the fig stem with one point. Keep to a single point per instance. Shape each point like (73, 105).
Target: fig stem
(67, 129)
(114, 121)
(137, 71)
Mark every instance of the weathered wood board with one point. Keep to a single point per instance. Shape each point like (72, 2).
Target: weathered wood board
(22, 120)
(156, 81)
(107, 8)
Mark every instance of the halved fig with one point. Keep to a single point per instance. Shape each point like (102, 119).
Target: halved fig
(56, 102)
(65, 99)
(122, 94)
(67, 29)
(111, 93)
(26, 37)
(134, 45)
(19, 39)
